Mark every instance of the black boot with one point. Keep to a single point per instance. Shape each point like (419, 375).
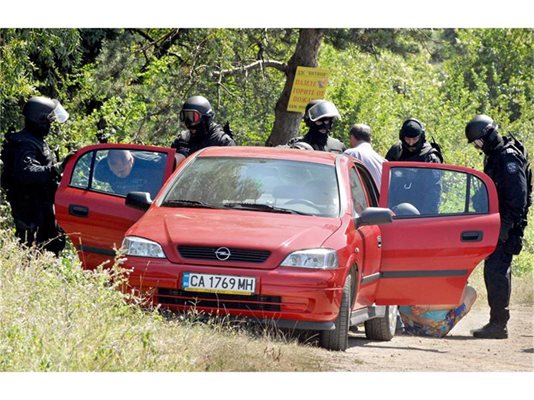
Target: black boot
(491, 331)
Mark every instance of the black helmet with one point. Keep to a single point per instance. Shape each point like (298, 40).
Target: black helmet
(412, 128)
(42, 110)
(317, 109)
(479, 127)
(195, 109)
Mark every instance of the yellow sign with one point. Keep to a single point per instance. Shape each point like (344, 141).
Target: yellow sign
(309, 84)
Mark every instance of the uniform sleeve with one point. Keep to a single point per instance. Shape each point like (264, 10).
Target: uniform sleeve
(226, 140)
(433, 158)
(29, 170)
(175, 144)
(513, 189)
(393, 153)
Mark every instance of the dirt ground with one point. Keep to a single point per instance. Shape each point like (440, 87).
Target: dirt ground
(458, 351)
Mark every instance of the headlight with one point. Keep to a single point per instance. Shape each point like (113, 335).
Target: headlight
(136, 246)
(312, 258)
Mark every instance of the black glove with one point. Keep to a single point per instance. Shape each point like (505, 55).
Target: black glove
(66, 160)
(504, 233)
(57, 170)
(514, 244)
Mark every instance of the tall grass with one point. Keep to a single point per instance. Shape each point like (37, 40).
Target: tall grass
(56, 317)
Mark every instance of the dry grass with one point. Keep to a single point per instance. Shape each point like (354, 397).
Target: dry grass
(56, 317)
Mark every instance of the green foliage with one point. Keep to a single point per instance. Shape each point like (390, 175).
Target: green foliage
(34, 62)
(382, 91)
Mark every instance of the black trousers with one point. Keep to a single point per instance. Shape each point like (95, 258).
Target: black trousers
(38, 226)
(498, 279)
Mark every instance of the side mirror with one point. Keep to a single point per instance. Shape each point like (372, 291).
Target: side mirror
(139, 200)
(374, 216)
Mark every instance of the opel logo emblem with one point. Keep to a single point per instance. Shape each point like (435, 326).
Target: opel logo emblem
(223, 253)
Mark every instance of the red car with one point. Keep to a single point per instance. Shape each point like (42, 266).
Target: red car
(294, 237)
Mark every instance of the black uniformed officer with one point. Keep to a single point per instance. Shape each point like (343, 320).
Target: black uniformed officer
(412, 145)
(31, 175)
(413, 186)
(202, 132)
(319, 116)
(506, 166)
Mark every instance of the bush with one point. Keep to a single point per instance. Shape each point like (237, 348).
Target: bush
(54, 316)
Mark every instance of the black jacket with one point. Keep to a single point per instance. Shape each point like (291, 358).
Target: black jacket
(30, 182)
(186, 144)
(427, 153)
(331, 144)
(28, 175)
(507, 168)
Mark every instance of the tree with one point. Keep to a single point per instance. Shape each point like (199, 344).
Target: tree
(286, 123)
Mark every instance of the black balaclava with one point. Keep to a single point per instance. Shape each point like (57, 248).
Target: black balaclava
(201, 129)
(413, 149)
(492, 141)
(317, 137)
(40, 129)
(412, 128)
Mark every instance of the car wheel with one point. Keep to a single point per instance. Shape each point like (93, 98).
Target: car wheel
(338, 338)
(382, 328)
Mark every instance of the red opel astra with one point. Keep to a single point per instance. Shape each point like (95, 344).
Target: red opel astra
(297, 238)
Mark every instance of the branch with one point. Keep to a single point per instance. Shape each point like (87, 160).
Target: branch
(143, 34)
(255, 65)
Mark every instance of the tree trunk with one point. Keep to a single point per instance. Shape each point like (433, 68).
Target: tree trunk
(286, 124)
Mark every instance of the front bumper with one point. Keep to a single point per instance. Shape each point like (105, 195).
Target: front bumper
(291, 298)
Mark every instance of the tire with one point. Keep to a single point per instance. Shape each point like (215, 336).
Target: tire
(382, 329)
(338, 338)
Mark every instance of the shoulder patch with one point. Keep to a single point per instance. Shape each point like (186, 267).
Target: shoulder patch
(512, 167)
(510, 150)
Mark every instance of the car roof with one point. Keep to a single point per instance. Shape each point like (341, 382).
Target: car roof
(280, 153)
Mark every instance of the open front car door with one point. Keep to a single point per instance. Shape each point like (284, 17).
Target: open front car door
(90, 201)
(446, 221)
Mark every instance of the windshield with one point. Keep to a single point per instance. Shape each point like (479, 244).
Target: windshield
(280, 186)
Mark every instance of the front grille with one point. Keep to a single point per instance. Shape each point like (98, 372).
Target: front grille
(222, 301)
(239, 255)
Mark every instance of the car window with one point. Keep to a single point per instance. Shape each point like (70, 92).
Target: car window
(359, 199)
(369, 184)
(120, 171)
(303, 187)
(433, 192)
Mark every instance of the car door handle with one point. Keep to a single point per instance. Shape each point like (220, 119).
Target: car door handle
(379, 241)
(78, 211)
(472, 236)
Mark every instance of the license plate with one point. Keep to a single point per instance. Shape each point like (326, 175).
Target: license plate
(218, 283)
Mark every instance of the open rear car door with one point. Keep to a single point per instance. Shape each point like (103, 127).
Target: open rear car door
(447, 221)
(90, 206)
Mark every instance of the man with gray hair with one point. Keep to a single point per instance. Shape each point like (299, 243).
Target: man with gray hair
(361, 149)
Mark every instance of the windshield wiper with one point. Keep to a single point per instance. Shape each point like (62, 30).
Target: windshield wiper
(262, 207)
(186, 203)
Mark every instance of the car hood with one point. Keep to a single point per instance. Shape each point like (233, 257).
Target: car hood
(207, 230)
